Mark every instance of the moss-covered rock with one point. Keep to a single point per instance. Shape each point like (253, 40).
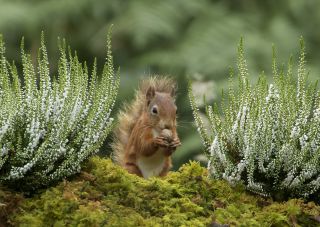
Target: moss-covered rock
(106, 195)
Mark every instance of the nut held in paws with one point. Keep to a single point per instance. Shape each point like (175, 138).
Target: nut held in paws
(167, 134)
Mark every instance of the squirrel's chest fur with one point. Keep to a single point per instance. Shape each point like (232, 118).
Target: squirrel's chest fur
(151, 165)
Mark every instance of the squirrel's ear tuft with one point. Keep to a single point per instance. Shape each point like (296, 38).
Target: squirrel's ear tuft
(151, 92)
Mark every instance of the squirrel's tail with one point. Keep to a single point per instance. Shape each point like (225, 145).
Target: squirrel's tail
(130, 113)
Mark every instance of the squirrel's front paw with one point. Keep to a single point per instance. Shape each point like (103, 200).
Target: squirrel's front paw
(172, 147)
(161, 141)
(175, 143)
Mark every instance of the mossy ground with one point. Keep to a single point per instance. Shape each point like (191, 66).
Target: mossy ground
(106, 195)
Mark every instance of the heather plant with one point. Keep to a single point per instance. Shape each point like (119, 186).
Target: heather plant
(50, 124)
(266, 136)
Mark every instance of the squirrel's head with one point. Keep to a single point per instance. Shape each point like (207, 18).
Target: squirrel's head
(161, 108)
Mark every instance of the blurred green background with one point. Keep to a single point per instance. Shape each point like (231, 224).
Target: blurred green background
(194, 39)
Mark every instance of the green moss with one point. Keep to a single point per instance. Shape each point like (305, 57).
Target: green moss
(106, 195)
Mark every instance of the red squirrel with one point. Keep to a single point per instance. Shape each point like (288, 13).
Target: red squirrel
(147, 135)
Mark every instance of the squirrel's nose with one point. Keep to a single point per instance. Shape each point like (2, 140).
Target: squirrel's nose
(165, 125)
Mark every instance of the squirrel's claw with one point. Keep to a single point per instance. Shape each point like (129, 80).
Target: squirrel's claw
(175, 143)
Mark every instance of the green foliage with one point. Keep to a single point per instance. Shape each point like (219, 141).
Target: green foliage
(50, 125)
(267, 136)
(106, 195)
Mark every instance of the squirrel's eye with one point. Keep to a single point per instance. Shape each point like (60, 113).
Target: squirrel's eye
(154, 110)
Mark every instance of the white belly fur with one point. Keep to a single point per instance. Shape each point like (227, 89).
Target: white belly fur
(152, 165)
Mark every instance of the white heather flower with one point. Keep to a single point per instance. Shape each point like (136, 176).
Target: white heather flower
(4, 128)
(303, 141)
(4, 151)
(236, 123)
(216, 150)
